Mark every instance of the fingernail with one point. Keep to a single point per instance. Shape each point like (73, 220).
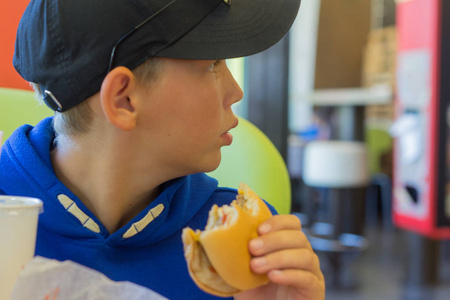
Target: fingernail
(276, 272)
(259, 262)
(265, 228)
(256, 244)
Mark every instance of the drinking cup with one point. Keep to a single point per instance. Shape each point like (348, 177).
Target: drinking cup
(18, 228)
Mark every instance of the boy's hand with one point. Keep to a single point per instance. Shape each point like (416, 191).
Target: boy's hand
(284, 253)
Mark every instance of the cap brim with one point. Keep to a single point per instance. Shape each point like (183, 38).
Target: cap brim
(245, 27)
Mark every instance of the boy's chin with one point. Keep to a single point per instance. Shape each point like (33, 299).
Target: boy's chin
(211, 165)
(211, 168)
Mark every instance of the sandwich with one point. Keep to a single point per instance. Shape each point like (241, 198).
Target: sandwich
(217, 258)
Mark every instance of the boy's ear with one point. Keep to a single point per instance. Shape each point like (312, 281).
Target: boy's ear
(115, 98)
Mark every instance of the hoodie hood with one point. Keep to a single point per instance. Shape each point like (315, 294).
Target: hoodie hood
(26, 170)
(147, 251)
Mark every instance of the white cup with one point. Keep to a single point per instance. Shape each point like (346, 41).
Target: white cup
(18, 228)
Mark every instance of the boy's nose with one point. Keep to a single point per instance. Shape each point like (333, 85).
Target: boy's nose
(239, 92)
(234, 91)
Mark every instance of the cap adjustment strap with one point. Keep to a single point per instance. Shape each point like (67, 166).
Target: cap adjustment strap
(51, 101)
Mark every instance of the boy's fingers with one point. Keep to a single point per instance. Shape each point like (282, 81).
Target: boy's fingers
(278, 240)
(307, 283)
(293, 259)
(280, 222)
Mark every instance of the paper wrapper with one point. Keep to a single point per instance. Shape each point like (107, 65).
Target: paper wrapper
(54, 280)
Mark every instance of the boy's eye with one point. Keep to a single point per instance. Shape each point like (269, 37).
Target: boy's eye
(213, 65)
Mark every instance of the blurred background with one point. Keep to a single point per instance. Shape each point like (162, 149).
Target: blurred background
(371, 72)
(355, 99)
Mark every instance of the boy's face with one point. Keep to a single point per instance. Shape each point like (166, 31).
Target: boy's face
(188, 114)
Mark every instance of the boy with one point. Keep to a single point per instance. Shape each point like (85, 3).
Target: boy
(142, 99)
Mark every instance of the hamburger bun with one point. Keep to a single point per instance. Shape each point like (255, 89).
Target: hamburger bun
(218, 259)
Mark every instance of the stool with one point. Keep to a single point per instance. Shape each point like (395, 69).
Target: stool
(380, 189)
(339, 169)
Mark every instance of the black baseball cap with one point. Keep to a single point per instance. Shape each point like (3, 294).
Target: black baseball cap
(68, 46)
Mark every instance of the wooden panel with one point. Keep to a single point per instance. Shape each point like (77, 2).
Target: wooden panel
(342, 35)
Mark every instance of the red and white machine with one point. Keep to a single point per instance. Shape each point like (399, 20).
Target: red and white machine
(422, 147)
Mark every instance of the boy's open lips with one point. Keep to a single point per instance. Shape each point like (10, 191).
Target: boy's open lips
(227, 136)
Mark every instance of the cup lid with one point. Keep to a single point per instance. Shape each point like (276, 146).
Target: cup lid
(9, 204)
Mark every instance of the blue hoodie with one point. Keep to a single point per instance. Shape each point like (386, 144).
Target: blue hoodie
(147, 251)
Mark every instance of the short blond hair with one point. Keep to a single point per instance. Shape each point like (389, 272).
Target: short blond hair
(78, 119)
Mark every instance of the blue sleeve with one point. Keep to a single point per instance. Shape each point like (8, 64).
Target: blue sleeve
(272, 209)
